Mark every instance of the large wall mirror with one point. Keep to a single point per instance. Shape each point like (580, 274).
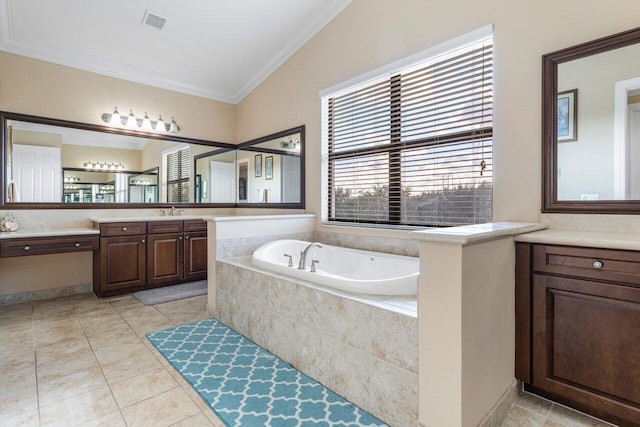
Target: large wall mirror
(49, 163)
(591, 126)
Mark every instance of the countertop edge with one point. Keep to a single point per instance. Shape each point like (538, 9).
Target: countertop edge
(256, 217)
(471, 234)
(592, 239)
(21, 234)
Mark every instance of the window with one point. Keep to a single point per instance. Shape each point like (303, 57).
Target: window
(176, 175)
(413, 147)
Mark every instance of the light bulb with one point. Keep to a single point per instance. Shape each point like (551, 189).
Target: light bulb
(115, 117)
(160, 125)
(146, 122)
(131, 121)
(173, 126)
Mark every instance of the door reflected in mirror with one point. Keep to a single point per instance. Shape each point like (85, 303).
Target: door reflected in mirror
(266, 170)
(53, 163)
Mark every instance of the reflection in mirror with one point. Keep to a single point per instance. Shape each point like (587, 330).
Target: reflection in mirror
(53, 164)
(215, 177)
(50, 163)
(602, 162)
(267, 170)
(591, 126)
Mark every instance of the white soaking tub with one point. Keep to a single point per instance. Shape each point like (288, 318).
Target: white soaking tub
(350, 270)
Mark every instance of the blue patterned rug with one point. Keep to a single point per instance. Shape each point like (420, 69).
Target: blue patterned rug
(247, 386)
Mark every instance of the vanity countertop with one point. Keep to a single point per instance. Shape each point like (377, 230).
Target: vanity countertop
(592, 239)
(148, 218)
(21, 234)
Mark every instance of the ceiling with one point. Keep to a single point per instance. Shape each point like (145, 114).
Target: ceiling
(216, 49)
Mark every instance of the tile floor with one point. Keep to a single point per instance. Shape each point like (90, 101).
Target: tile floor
(532, 411)
(84, 361)
(80, 360)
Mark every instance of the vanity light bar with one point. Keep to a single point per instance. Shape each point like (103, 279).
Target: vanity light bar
(145, 123)
(104, 166)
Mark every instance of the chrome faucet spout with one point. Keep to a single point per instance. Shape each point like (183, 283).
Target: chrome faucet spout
(303, 254)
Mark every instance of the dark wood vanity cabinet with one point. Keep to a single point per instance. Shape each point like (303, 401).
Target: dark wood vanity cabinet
(160, 253)
(119, 265)
(165, 252)
(578, 328)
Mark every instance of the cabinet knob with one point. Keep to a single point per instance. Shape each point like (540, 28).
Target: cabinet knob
(27, 248)
(186, 237)
(144, 240)
(124, 228)
(77, 245)
(180, 237)
(597, 264)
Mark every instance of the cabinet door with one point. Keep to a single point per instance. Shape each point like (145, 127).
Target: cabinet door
(122, 262)
(165, 258)
(586, 345)
(195, 256)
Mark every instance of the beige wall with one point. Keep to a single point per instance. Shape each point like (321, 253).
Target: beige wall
(39, 88)
(74, 156)
(372, 33)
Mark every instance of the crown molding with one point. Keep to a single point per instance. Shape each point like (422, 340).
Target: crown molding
(305, 33)
(10, 44)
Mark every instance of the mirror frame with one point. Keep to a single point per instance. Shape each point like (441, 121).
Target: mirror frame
(550, 62)
(5, 116)
(246, 146)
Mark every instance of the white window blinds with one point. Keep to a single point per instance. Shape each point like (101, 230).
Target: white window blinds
(177, 172)
(415, 146)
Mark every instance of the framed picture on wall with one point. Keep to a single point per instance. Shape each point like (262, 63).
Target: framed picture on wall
(268, 167)
(568, 115)
(258, 165)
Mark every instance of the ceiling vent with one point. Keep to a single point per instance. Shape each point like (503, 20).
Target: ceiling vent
(154, 20)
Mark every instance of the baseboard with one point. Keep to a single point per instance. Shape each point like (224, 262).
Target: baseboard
(45, 294)
(498, 413)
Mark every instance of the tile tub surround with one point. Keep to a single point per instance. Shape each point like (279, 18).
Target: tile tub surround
(354, 346)
(389, 245)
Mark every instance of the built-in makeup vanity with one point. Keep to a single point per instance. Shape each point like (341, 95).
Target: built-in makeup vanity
(143, 253)
(578, 286)
(44, 242)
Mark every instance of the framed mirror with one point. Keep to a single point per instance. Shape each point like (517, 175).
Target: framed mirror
(49, 163)
(268, 171)
(591, 126)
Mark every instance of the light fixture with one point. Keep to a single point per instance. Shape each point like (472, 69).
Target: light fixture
(160, 125)
(132, 122)
(104, 166)
(291, 144)
(115, 118)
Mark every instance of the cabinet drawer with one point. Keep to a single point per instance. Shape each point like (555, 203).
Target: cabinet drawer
(160, 227)
(600, 264)
(48, 245)
(123, 228)
(195, 225)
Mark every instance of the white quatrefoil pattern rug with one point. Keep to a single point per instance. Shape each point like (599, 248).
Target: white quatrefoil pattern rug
(247, 386)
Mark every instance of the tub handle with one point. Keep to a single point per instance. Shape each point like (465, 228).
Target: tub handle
(290, 260)
(313, 265)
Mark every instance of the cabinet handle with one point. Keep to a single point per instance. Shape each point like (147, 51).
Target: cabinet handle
(180, 237)
(77, 245)
(186, 237)
(144, 240)
(597, 264)
(124, 228)
(27, 248)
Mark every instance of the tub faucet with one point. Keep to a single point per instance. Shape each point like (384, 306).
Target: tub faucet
(303, 254)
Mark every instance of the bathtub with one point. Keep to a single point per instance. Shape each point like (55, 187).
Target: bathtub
(350, 270)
